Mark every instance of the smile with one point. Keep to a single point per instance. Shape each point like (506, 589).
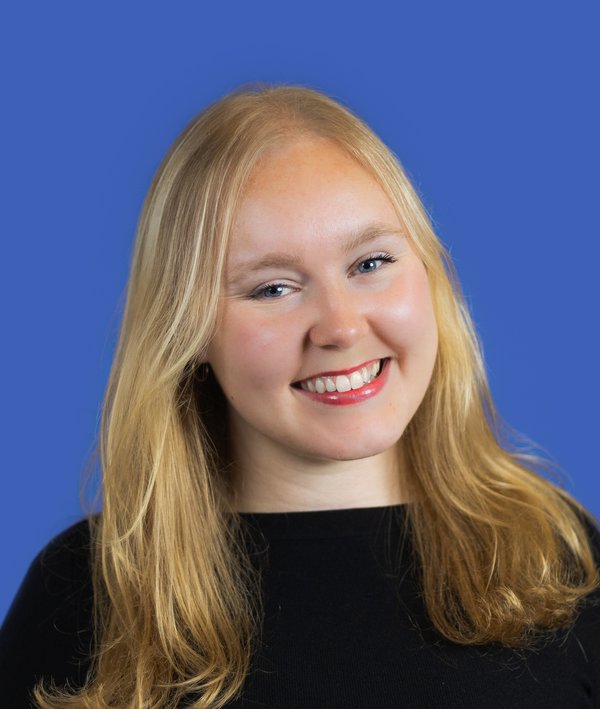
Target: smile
(349, 380)
(349, 387)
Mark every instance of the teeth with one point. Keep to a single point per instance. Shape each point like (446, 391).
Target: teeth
(343, 383)
(356, 380)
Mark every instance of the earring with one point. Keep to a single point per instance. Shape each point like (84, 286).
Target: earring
(203, 371)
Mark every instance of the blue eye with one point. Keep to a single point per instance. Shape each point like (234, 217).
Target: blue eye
(374, 262)
(369, 265)
(271, 290)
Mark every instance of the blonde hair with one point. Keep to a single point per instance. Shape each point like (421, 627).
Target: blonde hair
(503, 552)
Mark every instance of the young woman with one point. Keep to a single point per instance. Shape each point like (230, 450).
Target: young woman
(306, 497)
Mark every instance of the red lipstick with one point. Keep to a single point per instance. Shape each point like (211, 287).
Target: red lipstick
(354, 396)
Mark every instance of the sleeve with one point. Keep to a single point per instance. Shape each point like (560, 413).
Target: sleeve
(47, 632)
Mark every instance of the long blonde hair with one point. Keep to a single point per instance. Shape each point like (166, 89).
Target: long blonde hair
(503, 551)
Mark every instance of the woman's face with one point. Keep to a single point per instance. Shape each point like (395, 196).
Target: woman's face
(322, 290)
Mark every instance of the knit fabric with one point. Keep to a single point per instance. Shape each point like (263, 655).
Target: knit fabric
(344, 626)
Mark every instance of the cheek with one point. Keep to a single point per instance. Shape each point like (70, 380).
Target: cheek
(252, 349)
(411, 318)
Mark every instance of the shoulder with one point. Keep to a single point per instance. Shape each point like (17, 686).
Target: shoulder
(48, 629)
(66, 553)
(60, 568)
(63, 563)
(586, 629)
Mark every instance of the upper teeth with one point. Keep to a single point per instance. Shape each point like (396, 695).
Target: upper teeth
(343, 382)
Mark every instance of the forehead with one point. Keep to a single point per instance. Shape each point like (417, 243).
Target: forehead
(307, 194)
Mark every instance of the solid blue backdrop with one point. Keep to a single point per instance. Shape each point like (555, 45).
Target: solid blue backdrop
(492, 108)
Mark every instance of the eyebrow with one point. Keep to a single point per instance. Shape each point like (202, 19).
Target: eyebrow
(371, 232)
(281, 260)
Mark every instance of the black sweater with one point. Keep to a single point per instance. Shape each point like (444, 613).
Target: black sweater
(344, 627)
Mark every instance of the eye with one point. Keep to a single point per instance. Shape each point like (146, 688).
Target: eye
(271, 290)
(374, 262)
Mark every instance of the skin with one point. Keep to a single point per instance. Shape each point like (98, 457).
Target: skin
(334, 306)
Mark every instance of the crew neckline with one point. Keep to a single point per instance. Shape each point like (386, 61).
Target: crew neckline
(319, 524)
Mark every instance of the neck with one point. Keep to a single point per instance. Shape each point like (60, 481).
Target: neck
(268, 480)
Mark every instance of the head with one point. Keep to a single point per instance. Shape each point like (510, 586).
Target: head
(185, 233)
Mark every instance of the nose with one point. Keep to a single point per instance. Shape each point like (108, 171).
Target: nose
(339, 322)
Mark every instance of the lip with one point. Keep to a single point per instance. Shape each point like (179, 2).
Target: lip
(339, 372)
(354, 396)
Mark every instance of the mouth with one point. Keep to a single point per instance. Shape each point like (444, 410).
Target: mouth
(343, 381)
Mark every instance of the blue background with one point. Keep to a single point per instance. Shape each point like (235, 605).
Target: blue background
(492, 108)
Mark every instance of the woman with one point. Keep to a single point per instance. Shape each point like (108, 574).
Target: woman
(306, 498)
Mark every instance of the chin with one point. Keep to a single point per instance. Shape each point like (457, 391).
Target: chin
(357, 449)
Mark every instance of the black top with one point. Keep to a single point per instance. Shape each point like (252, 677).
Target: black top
(344, 627)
